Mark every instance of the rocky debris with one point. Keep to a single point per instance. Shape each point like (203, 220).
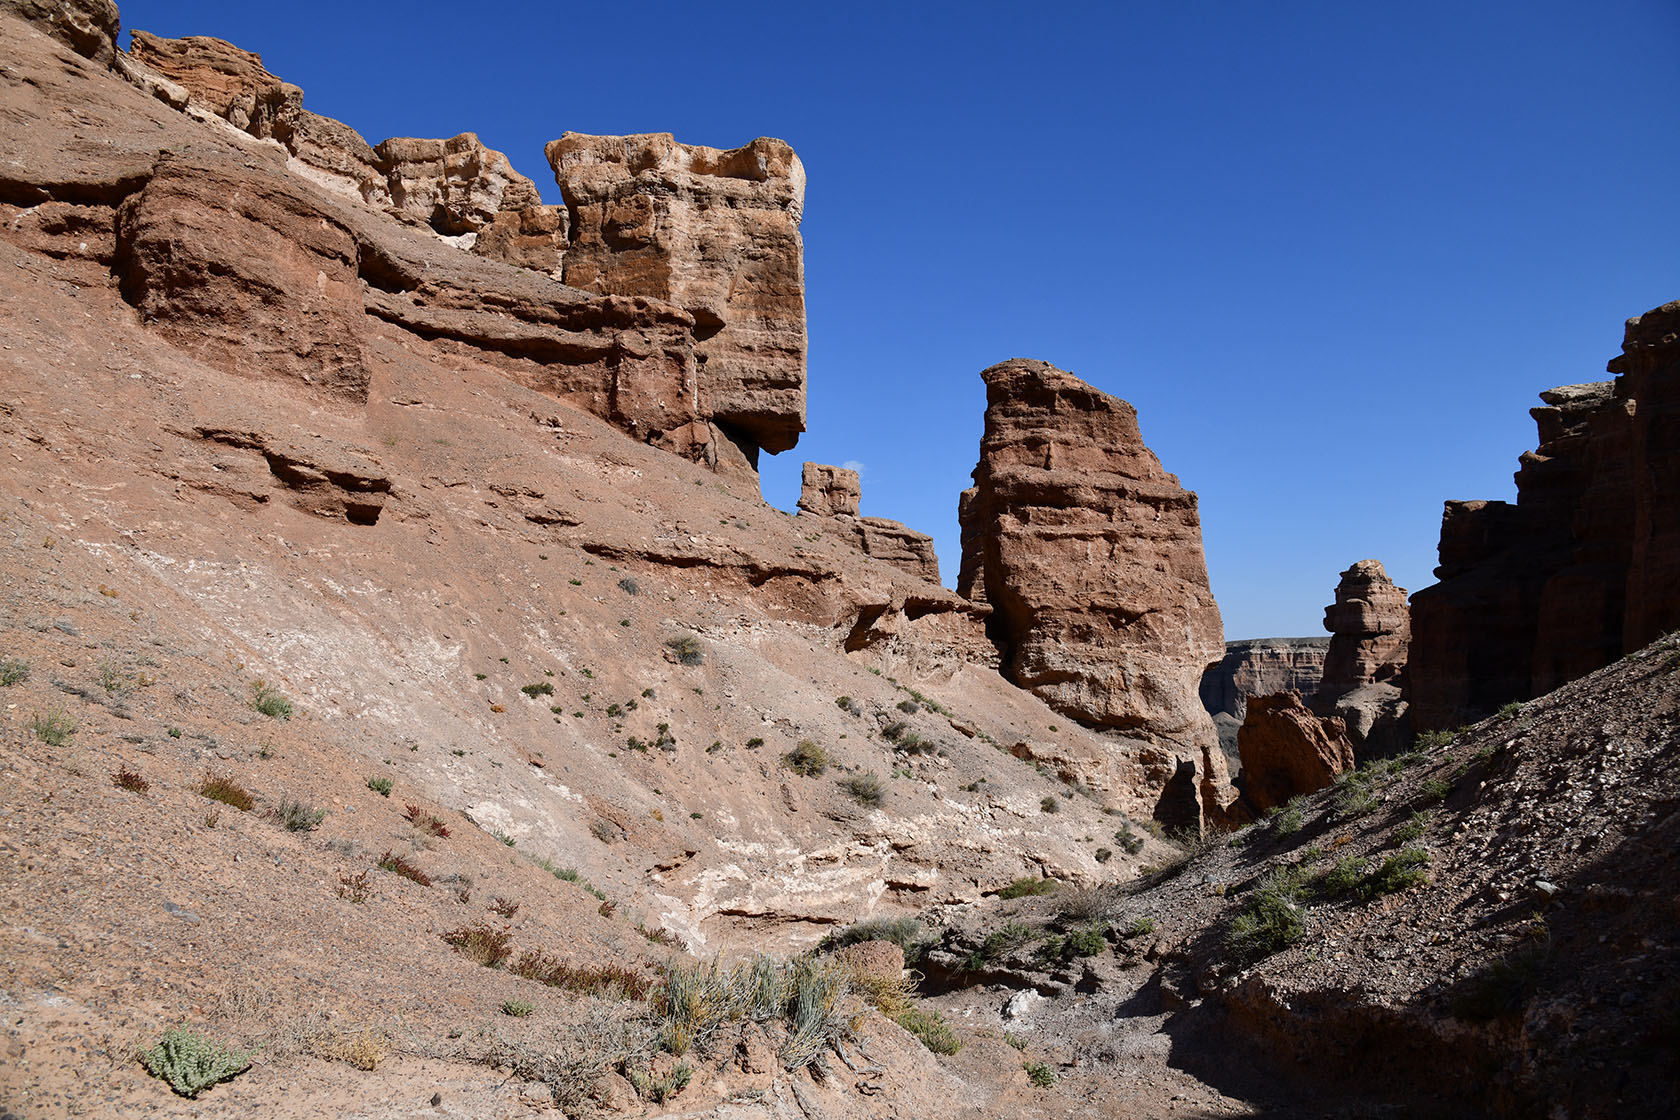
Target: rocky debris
(833, 493)
(1288, 750)
(89, 27)
(715, 233)
(1583, 568)
(1091, 557)
(237, 265)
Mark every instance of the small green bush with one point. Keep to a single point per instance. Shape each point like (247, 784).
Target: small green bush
(1140, 927)
(298, 817)
(1090, 941)
(1040, 1074)
(269, 702)
(931, 1028)
(660, 1089)
(1028, 886)
(1435, 789)
(906, 932)
(191, 1063)
(807, 759)
(381, 786)
(1415, 827)
(1001, 942)
(13, 671)
(1287, 822)
(848, 705)
(517, 1008)
(54, 729)
(1400, 870)
(1049, 804)
(541, 688)
(1270, 920)
(1434, 740)
(866, 789)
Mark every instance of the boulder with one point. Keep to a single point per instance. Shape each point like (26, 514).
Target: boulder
(1288, 750)
(826, 491)
(717, 234)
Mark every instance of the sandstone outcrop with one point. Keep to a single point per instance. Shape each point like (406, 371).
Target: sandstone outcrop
(1583, 568)
(89, 27)
(834, 493)
(1364, 670)
(715, 233)
(1090, 555)
(1288, 750)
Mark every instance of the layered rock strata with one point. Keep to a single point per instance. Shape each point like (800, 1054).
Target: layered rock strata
(715, 233)
(1364, 670)
(1261, 667)
(833, 493)
(1090, 555)
(1584, 567)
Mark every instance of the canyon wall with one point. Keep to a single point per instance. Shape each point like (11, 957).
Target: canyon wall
(833, 494)
(1584, 567)
(1260, 667)
(1090, 555)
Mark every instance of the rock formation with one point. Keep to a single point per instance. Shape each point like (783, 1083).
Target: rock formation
(1583, 568)
(1288, 750)
(1364, 669)
(834, 493)
(1090, 555)
(1260, 667)
(715, 233)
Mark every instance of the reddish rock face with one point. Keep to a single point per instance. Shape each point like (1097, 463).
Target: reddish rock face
(715, 233)
(834, 493)
(237, 266)
(1091, 557)
(1370, 626)
(1586, 565)
(1260, 667)
(1288, 750)
(88, 26)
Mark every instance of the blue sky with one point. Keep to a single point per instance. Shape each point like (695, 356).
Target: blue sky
(1330, 251)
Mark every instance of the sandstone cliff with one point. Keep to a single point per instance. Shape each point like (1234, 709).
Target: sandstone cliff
(1364, 671)
(1090, 556)
(1261, 667)
(833, 493)
(1581, 569)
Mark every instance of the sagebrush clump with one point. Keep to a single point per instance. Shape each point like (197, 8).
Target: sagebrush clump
(191, 1063)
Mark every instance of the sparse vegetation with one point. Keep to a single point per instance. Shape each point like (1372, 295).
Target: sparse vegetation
(221, 787)
(54, 729)
(1000, 943)
(688, 649)
(1503, 987)
(866, 789)
(906, 932)
(269, 702)
(1040, 1074)
(1287, 822)
(426, 822)
(517, 1008)
(1414, 827)
(397, 865)
(124, 778)
(484, 944)
(13, 671)
(629, 586)
(848, 705)
(540, 688)
(1021, 888)
(191, 1063)
(1129, 841)
(1354, 794)
(1140, 927)
(297, 816)
(1049, 804)
(353, 888)
(604, 982)
(1434, 740)
(930, 1028)
(806, 759)
(1435, 789)
(661, 1088)
(381, 786)
(1270, 920)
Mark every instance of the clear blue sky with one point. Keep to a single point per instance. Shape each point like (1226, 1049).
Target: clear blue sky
(1330, 250)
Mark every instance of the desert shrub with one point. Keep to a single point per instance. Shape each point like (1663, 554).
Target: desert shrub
(1090, 941)
(848, 705)
(895, 730)
(124, 778)
(1434, 740)
(1000, 943)
(295, 816)
(397, 865)
(269, 702)
(191, 1063)
(1343, 878)
(912, 743)
(1510, 711)
(426, 822)
(662, 1088)
(1354, 794)
(13, 671)
(1128, 840)
(1140, 927)
(220, 787)
(484, 944)
(1270, 920)
(541, 688)
(381, 786)
(1435, 789)
(1287, 822)
(930, 1028)
(609, 981)
(688, 649)
(866, 789)
(629, 586)
(1049, 804)
(817, 1016)
(754, 743)
(806, 759)
(54, 729)
(909, 707)
(1415, 827)
(907, 933)
(1040, 1074)
(603, 830)
(517, 1008)
(506, 907)
(353, 888)
(362, 1048)
(1028, 886)
(1398, 871)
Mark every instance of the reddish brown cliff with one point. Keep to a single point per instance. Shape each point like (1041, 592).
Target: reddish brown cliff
(1260, 667)
(1364, 671)
(1584, 567)
(1288, 750)
(1091, 556)
(715, 233)
(833, 493)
